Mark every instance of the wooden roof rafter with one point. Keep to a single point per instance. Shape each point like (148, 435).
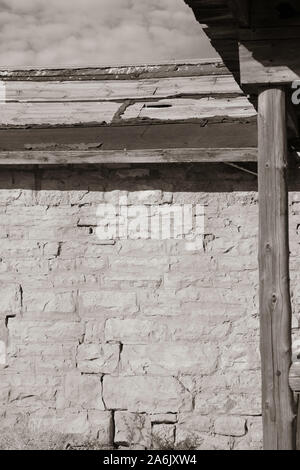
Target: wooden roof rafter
(169, 112)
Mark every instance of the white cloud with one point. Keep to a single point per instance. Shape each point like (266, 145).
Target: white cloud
(95, 32)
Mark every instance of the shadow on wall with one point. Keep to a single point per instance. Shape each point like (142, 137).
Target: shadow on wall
(202, 177)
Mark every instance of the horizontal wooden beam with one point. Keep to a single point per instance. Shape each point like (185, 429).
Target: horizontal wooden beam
(108, 112)
(189, 68)
(179, 155)
(113, 90)
(221, 133)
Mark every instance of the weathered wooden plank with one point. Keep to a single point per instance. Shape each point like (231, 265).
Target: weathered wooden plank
(119, 90)
(26, 114)
(124, 72)
(64, 157)
(172, 109)
(191, 134)
(57, 113)
(269, 62)
(274, 292)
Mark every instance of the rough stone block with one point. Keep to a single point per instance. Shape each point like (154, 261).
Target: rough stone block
(210, 442)
(163, 436)
(10, 300)
(109, 302)
(230, 426)
(4, 393)
(169, 359)
(101, 427)
(47, 301)
(45, 331)
(191, 426)
(2, 352)
(134, 331)
(228, 402)
(146, 394)
(81, 392)
(63, 422)
(94, 331)
(97, 358)
(132, 429)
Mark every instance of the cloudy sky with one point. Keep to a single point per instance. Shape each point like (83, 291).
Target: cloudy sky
(95, 32)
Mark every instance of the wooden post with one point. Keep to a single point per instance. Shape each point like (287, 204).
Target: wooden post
(275, 304)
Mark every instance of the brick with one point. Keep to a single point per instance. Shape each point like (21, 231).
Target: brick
(145, 394)
(97, 358)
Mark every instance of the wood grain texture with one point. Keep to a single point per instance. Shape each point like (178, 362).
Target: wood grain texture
(119, 72)
(109, 90)
(172, 109)
(64, 157)
(51, 114)
(274, 292)
(224, 133)
(109, 112)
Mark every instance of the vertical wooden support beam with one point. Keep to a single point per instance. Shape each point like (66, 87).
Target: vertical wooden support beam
(275, 304)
